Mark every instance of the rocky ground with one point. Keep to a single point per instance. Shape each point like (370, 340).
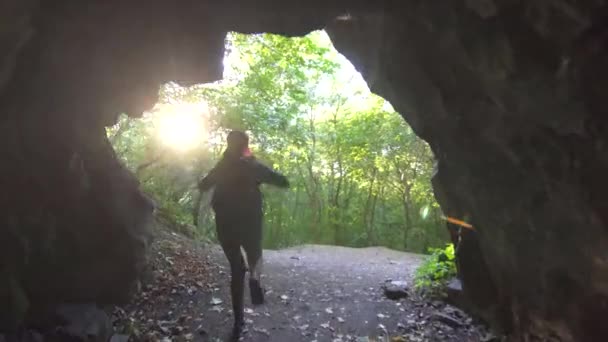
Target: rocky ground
(314, 293)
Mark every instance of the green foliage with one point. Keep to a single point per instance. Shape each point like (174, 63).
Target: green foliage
(436, 270)
(359, 175)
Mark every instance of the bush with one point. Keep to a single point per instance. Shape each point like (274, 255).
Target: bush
(440, 266)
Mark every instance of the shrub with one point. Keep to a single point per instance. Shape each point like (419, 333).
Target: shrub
(440, 266)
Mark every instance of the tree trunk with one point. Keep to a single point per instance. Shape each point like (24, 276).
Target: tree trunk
(407, 215)
(296, 206)
(371, 219)
(366, 211)
(196, 208)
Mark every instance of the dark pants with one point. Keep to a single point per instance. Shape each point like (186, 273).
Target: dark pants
(235, 229)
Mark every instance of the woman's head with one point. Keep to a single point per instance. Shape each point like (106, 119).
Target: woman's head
(238, 143)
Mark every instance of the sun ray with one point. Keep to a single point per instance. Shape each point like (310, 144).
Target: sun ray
(181, 126)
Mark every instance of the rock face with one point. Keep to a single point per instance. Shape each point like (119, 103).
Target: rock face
(508, 93)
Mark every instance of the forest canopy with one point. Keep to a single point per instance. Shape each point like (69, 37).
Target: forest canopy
(359, 174)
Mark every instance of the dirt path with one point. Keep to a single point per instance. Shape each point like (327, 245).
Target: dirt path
(314, 293)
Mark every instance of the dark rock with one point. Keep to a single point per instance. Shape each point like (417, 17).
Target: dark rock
(446, 319)
(455, 294)
(454, 285)
(396, 289)
(437, 304)
(83, 322)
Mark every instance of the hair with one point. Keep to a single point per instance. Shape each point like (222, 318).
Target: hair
(237, 142)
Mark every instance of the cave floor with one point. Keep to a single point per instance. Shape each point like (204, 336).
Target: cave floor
(314, 293)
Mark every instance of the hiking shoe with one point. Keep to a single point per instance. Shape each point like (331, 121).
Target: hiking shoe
(237, 331)
(257, 292)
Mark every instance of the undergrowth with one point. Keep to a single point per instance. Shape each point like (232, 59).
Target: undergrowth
(438, 267)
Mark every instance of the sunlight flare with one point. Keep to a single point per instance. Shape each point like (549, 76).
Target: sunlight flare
(181, 126)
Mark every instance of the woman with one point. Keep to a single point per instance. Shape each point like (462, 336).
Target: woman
(237, 203)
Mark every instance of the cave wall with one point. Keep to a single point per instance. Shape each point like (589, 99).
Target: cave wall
(508, 95)
(506, 92)
(74, 225)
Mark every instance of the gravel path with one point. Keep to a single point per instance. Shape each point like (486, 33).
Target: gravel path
(314, 293)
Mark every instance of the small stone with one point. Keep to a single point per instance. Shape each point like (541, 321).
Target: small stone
(396, 289)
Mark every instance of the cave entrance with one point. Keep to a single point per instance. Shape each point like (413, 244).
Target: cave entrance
(360, 176)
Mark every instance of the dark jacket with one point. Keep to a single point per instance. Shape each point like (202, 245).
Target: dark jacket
(237, 180)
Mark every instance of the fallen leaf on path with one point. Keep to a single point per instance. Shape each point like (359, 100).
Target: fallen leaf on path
(216, 301)
(261, 331)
